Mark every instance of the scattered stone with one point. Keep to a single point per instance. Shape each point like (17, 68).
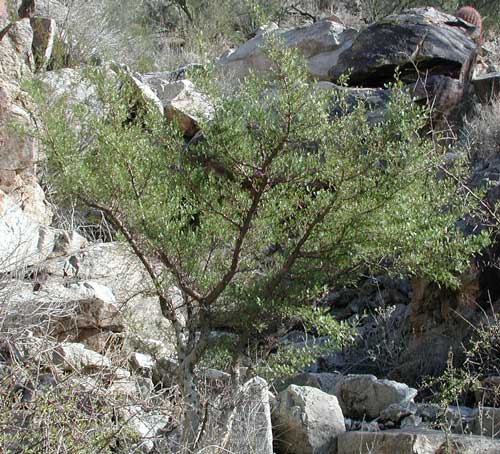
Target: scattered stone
(307, 420)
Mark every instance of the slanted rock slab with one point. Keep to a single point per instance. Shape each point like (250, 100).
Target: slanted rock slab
(320, 44)
(425, 37)
(182, 102)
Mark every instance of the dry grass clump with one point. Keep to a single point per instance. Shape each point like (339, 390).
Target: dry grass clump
(482, 133)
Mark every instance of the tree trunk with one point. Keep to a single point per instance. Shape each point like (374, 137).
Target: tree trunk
(192, 414)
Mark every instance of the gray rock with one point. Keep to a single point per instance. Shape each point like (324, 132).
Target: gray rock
(371, 426)
(460, 419)
(164, 372)
(252, 430)
(83, 312)
(74, 357)
(77, 87)
(142, 362)
(181, 102)
(434, 40)
(428, 412)
(413, 441)
(23, 241)
(53, 9)
(366, 396)
(19, 151)
(320, 43)
(140, 425)
(115, 266)
(307, 420)
(67, 242)
(374, 99)
(411, 421)
(396, 412)
(324, 381)
(359, 396)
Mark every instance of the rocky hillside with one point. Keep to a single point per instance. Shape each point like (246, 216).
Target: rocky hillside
(88, 358)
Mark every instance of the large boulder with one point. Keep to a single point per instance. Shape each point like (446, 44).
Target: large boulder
(83, 312)
(23, 241)
(359, 396)
(365, 396)
(320, 43)
(19, 152)
(307, 420)
(414, 441)
(252, 429)
(77, 86)
(115, 266)
(434, 42)
(4, 14)
(16, 58)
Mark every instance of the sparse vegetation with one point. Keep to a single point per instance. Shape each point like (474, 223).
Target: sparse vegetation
(275, 202)
(251, 229)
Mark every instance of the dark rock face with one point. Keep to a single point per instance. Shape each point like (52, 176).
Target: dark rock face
(422, 39)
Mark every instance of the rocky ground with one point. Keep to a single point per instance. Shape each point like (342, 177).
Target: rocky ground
(78, 306)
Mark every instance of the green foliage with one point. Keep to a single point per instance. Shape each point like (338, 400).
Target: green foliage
(277, 200)
(479, 360)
